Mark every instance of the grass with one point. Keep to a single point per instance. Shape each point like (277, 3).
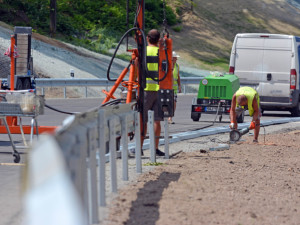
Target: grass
(153, 164)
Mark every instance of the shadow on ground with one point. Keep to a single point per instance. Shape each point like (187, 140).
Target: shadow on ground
(145, 210)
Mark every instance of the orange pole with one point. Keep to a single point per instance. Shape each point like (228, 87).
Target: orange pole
(27, 129)
(116, 85)
(167, 83)
(12, 120)
(12, 59)
(130, 83)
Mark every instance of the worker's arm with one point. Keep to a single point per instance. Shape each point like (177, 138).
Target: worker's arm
(256, 110)
(178, 82)
(232, 112)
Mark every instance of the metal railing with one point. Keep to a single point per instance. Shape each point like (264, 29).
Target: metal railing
(42, 83)
(82, 144)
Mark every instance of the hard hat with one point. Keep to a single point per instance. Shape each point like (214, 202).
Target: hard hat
(174, 54)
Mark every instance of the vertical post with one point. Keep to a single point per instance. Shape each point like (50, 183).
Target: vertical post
(151, 135)
(52, 18)
(92, 173)
(86, 92)
(138, 143)
(166, 131)
(112, 155)
(43, 91)
(12, 60)
(102, 125)
(65, 92)
(124, 137)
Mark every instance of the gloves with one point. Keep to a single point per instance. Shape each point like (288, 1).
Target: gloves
(252, 125)
(231, 125)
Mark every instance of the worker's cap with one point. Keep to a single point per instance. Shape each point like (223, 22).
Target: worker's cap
(174, 54)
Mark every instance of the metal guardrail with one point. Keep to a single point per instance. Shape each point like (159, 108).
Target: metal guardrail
(96, 82)
(83, 140)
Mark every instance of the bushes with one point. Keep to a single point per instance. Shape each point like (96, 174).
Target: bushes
(101, 22)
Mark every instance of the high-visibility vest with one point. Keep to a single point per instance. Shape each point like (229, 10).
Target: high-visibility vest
(152, 85)
(250, 93)
(175, 78)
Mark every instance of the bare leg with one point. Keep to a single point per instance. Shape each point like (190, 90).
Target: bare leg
(157, 129)
(256, 130)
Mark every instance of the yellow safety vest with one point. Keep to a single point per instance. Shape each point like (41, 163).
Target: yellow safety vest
(152, 85)
(175, 78)
(250, 93)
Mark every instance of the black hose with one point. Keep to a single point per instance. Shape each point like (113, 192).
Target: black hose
(145, 68)
(60, 111)
(116, 50)
(113, 102)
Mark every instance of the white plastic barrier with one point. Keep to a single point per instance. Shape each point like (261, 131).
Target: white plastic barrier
(83, 141)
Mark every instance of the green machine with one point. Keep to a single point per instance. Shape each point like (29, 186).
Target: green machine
(215, 95)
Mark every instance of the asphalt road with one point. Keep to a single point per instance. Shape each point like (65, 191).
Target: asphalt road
(11, 179)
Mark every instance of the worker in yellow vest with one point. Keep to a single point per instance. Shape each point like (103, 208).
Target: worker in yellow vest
(176, 81)
(152, 87)
(246, 98)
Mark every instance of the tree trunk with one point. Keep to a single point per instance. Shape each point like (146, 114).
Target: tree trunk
(52, 18)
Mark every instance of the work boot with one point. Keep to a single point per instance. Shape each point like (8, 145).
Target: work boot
(132, 151)
(159, 153)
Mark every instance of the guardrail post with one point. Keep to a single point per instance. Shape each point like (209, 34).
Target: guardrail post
(112, 155)
(86, 92)
(138, 143)
(166, 131)
(92, 174)
(102, 148)
(65, 92)
(151, 135)
(124, 139)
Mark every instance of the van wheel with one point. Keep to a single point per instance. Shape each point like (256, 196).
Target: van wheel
(296, 111)
(240, 119)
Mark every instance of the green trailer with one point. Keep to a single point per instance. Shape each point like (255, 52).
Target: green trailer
(215, 95)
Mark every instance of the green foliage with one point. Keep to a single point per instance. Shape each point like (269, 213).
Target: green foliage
(90, 23)
(177, 28)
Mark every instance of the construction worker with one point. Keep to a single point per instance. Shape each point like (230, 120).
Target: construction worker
(246, 98)
(176, 81)
(151, 90)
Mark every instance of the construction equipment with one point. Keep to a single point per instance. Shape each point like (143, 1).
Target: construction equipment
(235, 135)
(22, 61)
(138, 68)
(215, 95)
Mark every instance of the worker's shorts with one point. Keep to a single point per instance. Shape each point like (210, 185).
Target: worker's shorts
(150, 103)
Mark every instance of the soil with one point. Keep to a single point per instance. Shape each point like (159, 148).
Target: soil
(251, 183)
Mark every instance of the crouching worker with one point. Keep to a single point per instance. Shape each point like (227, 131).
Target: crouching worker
(246, 98)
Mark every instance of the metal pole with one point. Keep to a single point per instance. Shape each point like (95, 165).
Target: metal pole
(166, 132)
(112, 155)
(124, 137)
(138, 143)
(102, 148)
(151, 135)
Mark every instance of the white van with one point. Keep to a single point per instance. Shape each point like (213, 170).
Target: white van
(270, 64)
